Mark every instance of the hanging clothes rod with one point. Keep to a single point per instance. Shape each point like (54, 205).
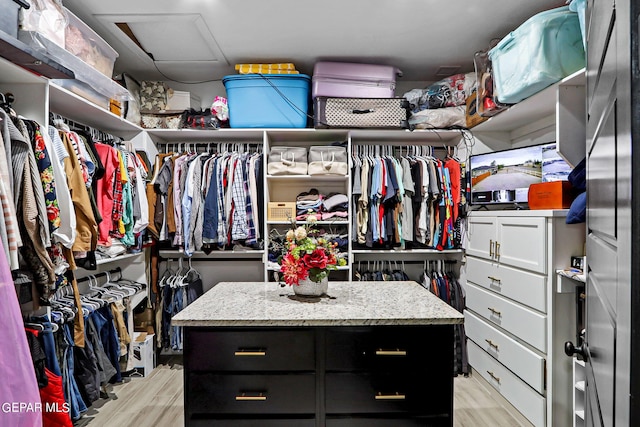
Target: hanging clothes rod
(116, 270)
(81, 126)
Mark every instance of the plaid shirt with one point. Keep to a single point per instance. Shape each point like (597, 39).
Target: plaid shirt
(239, 226)
(251, 229)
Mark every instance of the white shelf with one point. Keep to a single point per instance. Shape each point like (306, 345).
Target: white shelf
(79, 110)
(532, 109)
(118, 258)
(341, 268)
(580, 414)
(169, 136)
(406, 251)
(405, 137)
(577, 277)
(324, 178)
(138, 298)
(580, 386)
(304, 222)
(13, 74)
(248, 254)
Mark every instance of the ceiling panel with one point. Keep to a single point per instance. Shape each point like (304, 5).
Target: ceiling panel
(417, 36)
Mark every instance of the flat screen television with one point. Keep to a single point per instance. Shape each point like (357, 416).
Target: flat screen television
(505, 176)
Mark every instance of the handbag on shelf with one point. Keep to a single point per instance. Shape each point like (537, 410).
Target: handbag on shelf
(199, 119)
(287, 161)
(160, 121)
(328, 160)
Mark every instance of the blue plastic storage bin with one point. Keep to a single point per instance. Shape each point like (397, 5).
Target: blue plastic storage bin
(543, 50)
(268, 100)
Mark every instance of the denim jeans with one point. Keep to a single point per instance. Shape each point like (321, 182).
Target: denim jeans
(103, 320)
(71, 391)
(49, 345)
(176, 331)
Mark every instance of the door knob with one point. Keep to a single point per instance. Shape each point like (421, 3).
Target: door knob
(571, 350)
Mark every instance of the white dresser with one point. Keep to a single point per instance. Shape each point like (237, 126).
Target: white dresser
(516, 319)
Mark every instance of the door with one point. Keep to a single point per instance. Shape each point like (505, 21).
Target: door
(613, 197)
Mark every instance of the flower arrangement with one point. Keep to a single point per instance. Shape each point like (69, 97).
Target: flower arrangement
(308, 256)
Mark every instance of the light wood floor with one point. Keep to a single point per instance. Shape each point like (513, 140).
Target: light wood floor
(157, 401)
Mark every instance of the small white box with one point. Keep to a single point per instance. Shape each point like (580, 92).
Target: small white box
(178, 100)
(143, 354)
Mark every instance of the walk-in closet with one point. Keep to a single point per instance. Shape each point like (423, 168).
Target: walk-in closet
(286, 214)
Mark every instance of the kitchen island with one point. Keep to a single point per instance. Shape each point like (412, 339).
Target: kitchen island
(367, 354)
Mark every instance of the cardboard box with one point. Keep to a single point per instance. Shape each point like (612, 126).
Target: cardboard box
(473, 114)
(180, 100)
(551, 195)
(115, 107)
(143, 353)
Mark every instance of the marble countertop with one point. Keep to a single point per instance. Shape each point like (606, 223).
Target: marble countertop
(347, 304)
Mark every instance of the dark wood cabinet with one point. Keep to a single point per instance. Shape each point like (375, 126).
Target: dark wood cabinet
(319, 376)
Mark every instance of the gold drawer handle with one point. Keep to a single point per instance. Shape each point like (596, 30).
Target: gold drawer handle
(494, 279)
(250, 353)
(396, 352)
(497, 250)
(492, 344)
(491, 248)
(494, 311)
(253, 398)
(492, 375)
(397, 396)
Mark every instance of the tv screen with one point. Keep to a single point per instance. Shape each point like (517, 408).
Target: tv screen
(505, 176)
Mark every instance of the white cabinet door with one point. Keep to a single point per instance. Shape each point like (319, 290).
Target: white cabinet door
(482, 237)
(522, 243)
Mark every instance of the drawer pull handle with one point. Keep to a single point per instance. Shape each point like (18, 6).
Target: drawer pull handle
(492, 344)
(491, 248)
(251, 398)
(494, 279)
(396, 352)
(492, 375)
(494, 311)
(250, 353)
(497, 250)
(396, 396)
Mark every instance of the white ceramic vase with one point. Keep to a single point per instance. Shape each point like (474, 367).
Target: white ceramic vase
(309, 288)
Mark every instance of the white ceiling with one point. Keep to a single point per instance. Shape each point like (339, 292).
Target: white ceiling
(197, 40)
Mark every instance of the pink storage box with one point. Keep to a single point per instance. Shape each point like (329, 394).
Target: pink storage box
(351, 80)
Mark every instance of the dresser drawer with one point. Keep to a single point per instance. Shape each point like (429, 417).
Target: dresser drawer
(523, 322)
(251, 394)
(389, 422)
(383, 349)
(387, 393)
(522, 286)
(520, 360)
(242, 350)
(252, 423)
(517, 392)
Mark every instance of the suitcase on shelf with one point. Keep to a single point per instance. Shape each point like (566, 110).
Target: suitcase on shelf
(382, 113)
(351, 80)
